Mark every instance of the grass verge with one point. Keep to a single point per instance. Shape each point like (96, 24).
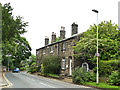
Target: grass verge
(101, 85)
(53, 75)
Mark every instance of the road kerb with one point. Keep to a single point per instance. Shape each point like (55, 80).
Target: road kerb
(61, 81)
(8, 82)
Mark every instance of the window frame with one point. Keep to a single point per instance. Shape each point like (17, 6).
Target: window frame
(37, 53)
(43, 51)
(63, 64)
(63, 46)
(51, 49)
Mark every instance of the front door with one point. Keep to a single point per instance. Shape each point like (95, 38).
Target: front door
(70, 71)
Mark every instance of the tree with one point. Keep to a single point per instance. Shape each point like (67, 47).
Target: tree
(0, 33)
(32, 60)
(58, 39)
(108, 43)
(11, 27)
(12, 42)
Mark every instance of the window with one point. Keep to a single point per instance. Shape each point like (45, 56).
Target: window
(37, 52)
(51, 49)
(63, 63)
(64, 47)
(43, 51)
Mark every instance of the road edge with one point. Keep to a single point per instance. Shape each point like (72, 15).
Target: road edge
(87, 87)
(8, 82)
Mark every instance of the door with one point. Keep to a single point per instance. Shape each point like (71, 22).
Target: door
(70, 71)
(85, 67)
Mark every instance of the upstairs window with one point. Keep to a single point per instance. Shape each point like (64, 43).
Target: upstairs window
(51, 49)
(37, 52)
(64, 47)
(43, 51)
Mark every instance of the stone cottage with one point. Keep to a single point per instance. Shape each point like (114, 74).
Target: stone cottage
(63, 48)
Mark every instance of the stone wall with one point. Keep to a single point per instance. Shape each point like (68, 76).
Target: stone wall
(66, 52)
(62, 48)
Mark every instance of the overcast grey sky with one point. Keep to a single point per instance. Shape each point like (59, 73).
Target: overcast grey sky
(47, 16)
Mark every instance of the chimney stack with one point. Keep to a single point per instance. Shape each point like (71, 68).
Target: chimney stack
(46, 40)
(74, 28)
(62, 33)
(53, 37)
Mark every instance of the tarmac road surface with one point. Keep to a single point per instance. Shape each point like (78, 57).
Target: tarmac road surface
(25, 80)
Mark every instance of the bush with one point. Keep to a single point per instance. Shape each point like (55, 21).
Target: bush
(114, 78)
(12, 67)
(80, 76)
(22, 68)
(38, 68)
(51, 64)
(42, 69)
(106, 67)
(32, 69)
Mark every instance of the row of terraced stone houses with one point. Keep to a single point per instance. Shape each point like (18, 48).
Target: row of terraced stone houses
(64, 49)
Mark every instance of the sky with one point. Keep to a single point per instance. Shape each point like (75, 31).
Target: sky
(47, 16)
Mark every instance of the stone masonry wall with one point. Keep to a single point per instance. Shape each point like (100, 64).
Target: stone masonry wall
(66, 53)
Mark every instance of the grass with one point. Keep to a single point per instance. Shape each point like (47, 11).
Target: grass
(101, 85)
(53, 75)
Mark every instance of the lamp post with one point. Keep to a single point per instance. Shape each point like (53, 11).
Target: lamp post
(97, 44)
(8, 60)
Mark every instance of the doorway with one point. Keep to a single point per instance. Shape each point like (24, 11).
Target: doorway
(70, 65)
(85, 66)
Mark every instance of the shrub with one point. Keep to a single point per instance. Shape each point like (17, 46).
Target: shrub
(80, 76)
(42, 69)
(114, 78)
(22, 68)
(38, 68)
(106, 67)
(51, 64)
(12, 67)
(32, 69)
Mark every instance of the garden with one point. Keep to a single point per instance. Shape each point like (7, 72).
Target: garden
(108, 61)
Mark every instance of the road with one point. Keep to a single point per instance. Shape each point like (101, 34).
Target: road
(25, 80)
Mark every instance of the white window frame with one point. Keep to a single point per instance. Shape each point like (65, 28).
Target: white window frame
(64, 47)
(63, 63)
(51, 49)
(37, 52)
(43, 51)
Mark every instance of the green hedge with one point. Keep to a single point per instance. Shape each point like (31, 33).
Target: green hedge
(80, 76)
(32, 69)
(114, 78)
(106, 67)
(22, 68)
(50, 64)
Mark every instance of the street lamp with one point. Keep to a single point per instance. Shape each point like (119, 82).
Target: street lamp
(8, 60)
(97, 43)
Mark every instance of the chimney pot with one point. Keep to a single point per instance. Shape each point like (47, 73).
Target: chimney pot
(62, 33)
(52, 33)
(53, 37)
(46, 40)
(74, 28)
